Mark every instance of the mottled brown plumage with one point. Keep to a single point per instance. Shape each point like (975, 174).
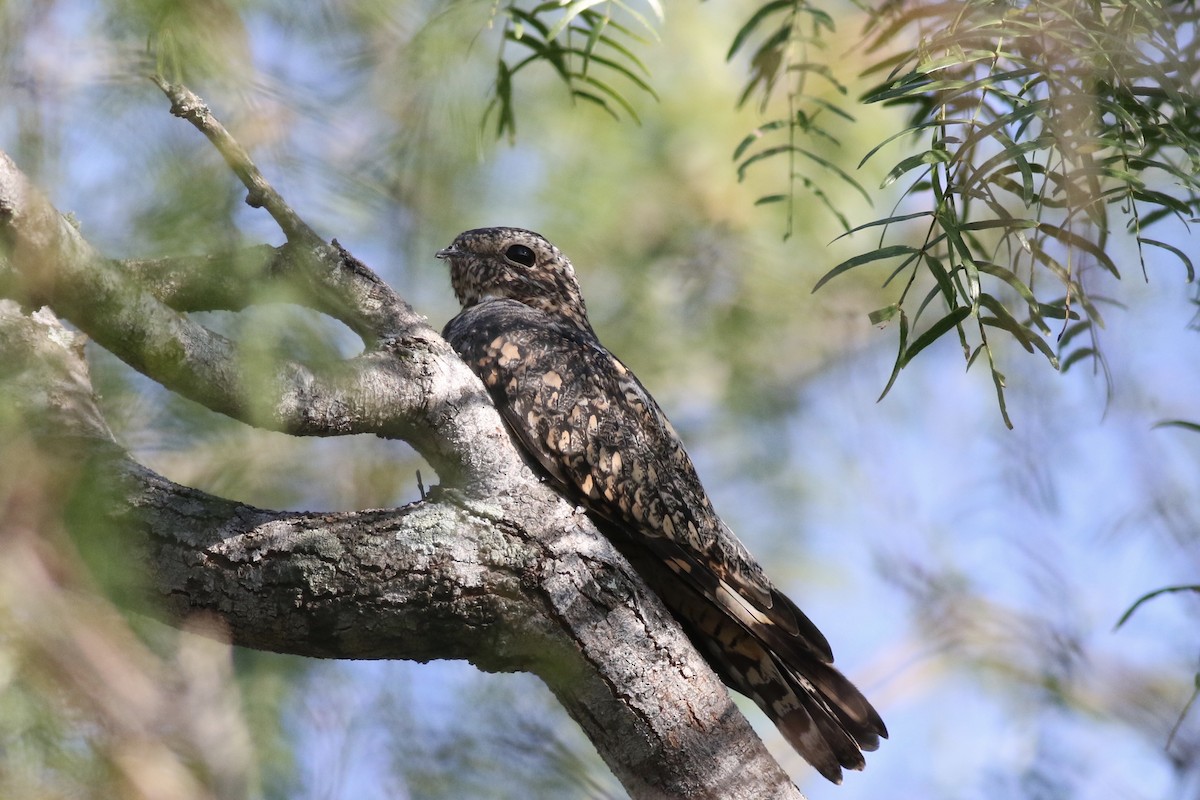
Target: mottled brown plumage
(600, 438)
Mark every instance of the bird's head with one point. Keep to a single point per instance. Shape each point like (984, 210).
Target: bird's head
(514, 264)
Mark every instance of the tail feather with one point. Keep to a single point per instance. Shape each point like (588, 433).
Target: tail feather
(789, 676)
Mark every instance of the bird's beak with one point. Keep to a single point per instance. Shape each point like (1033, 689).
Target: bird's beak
(447, 252)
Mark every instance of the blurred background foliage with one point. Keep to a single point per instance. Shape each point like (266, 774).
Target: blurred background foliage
(968, 576)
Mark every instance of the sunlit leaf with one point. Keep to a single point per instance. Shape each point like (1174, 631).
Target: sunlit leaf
(914, 162)
(884, 315)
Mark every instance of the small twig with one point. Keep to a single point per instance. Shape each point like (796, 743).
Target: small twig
(421, 486)
(187, 105)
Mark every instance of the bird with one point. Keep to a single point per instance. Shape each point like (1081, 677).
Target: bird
(597, 436)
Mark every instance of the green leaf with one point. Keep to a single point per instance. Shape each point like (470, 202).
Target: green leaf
(936, 330)
(1076, 356)
(573, 10)
(913, 130)
(1179, 423)
(1182, 256)
(912, 162)
(1028, 338)
(879, 254)
(884, 315)
(899, 363)
(1072, 239)
(1150, 596)
(885, 221)
(757, 135)
(755, 20)
(999, 383)
(1010, 278)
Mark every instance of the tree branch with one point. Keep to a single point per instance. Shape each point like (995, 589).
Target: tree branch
(409, 385)
(520, 581)
(185, 104)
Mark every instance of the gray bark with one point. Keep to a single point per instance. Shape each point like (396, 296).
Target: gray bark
(491, 567)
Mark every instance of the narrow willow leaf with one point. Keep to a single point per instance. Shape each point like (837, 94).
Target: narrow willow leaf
(823, 70)
(1182, 256)
(757, 135)
(998, 382)
(899, 363)
(912, 130)
(834, 168)
(1028, 338)
(958, 59)
(1151, 595)
(879, 254)
(913, 162)
(1056, 311)
(573, 10)
(621, 69)
(759, 156)
(886, 221)
(930, 296)
(818, 193)
(1179, 423)
(770, 198)
(1077, 356)
(625, 52)
(647, 26)
(593, 39)
(821, 19)
(1073, 239)
(1008, 223)
(936, 330)
(910, 85)
(833, 107)
(597, 99)
(616, 96)
(1162, 199)
(1144, 164)
(1073, 331)
(974, 355)
(755, 20)
(1010, 278)
(656, 7)
(941, 274)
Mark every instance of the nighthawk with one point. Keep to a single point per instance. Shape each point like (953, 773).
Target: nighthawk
(602, 441)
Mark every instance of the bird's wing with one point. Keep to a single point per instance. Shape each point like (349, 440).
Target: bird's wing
(592, 427)
(600, 436)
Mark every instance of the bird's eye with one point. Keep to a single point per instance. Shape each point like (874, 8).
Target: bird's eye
(520, 254)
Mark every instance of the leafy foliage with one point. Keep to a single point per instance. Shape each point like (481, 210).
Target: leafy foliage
(1045, 130)
(585, 43)
(1048, 128)
(788, 33)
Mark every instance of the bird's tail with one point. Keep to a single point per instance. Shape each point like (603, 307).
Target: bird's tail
(790, 676)
(817, 709)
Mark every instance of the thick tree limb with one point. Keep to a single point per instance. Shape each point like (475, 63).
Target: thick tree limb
(499, 571)
(520, 583)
